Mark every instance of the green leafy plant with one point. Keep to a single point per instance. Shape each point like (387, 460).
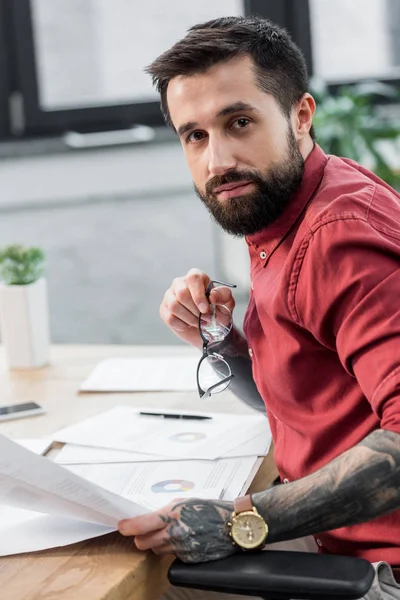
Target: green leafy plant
(20, 265)
(349, 124)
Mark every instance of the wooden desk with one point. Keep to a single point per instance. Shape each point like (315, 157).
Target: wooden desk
(106, 568)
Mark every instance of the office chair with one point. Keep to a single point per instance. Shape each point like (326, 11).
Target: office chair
(279, 575)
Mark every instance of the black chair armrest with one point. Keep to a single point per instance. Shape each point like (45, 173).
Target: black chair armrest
(279, 575)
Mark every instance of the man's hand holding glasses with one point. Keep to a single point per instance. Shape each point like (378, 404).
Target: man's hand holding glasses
(199, 311)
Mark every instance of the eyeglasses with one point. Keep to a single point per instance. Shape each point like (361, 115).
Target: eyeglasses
(213, 372)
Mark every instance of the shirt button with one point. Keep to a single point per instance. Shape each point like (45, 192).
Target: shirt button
(319, 542)
(263, 255)
(286, 480)
(250, 353)
(252, 285)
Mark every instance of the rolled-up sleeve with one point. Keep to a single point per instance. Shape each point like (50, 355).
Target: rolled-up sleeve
(347, 295)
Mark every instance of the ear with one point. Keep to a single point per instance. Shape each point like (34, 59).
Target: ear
(303, 114)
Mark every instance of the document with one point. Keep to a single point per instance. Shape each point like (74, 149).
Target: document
(36, 445)
(159, 483)
(71, 454)
(124, 428)
(143, 374)
(28, 531)
(44, 505)
(33, 482)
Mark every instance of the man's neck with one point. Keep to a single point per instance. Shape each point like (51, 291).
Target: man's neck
(306, 146)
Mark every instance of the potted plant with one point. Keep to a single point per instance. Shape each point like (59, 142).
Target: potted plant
(349, 123)
(24, 314)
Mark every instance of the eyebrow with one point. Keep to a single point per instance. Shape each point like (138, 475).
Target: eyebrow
(227, 110)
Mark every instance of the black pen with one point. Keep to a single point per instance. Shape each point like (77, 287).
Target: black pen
(174, 416)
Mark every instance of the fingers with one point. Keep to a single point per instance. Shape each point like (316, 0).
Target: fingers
(150, 522)
(181, 304)
(196, 282)
(154, 541)
(151, 531)
(222, 295)
(173, 322)
(144, 524)
(186, 298)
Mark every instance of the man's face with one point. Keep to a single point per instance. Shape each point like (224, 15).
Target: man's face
(240, 148)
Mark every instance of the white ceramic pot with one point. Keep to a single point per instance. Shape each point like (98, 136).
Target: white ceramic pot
(24, 323)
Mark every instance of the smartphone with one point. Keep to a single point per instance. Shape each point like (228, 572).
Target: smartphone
(18, 411)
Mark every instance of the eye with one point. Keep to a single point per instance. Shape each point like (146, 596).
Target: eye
(240, 123)
(195, 136)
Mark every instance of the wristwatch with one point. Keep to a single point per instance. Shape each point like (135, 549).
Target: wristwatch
(248, 529)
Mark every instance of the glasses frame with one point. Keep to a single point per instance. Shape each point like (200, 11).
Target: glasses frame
(206, 351)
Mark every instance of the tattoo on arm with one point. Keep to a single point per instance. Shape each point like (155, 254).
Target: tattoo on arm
(235, 350)
(199, 531)
(358, 486)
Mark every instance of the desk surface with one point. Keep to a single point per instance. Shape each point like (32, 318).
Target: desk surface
(106, 568)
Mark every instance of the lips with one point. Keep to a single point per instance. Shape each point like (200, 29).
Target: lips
(230, 186)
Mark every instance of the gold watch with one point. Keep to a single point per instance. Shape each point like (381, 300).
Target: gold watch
(248, 529)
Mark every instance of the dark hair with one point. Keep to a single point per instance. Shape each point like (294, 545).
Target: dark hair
(280, 67)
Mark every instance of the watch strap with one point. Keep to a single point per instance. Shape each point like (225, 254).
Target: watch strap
(242, 504)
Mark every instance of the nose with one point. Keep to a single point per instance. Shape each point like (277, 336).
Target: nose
(220, 157)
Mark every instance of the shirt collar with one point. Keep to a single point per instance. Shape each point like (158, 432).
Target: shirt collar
(267, 240)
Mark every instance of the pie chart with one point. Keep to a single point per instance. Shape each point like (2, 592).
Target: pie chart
(172, 485)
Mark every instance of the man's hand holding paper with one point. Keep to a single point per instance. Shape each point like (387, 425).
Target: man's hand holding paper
(194, 530)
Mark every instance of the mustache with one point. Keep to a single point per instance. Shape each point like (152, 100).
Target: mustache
(231, 177)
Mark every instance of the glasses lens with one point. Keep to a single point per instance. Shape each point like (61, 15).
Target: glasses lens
(212, 371)
(216, 324)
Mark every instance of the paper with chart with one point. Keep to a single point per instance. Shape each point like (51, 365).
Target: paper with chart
(86, 501)
(72, 454)
(27, 531)
(123, 428)
(33, 482)
(160, 373)
(157, 484)
(79, 508)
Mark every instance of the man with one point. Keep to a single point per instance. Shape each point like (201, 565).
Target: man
(323, 322)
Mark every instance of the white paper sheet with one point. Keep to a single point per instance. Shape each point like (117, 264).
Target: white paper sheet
(28, 531)
(239, 487)
(143, 374)
(27, 479)
(71, 454)
(159, 483)
(33, 482)
(123, 428)
(36, 445)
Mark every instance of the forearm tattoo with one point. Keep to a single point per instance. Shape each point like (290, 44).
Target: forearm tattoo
(358, 486)
(198, 530)
(235, 350)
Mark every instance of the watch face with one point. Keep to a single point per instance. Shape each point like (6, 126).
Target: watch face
(249, 530)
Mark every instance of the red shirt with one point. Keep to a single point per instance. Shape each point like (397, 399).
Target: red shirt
(323, 328)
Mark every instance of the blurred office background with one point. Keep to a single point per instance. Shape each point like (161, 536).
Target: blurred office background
(89, 172)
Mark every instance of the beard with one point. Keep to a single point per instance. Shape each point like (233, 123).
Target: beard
(250, 213)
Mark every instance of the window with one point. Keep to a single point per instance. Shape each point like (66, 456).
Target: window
(355, 40)
(4, 79)
(77, 65)
(85, 70)
(95, 54)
